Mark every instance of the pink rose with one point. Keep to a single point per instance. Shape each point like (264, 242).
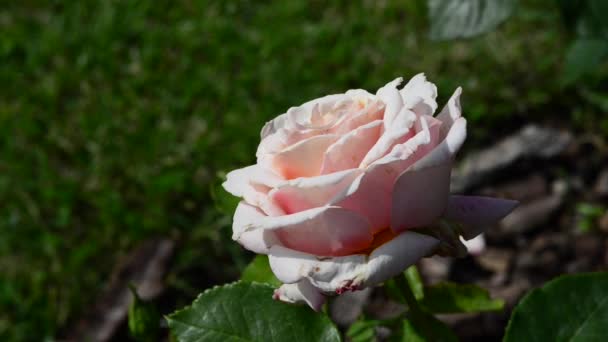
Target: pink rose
(340, 182)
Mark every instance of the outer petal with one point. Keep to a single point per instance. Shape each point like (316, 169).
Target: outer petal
(302, 291)
(392, 99)
(477, 213)
(307, 193)
(304, 158)
(349, 150)
(369, 195)
(446, 150)
(320, 231)
(291, 266)
(420, 197)
(451, 112)
(258, 241)
(240, 180)
(274, 125)
(351, 272)
(258, 196)
(419, 95)
(421, 192)
(398, 254)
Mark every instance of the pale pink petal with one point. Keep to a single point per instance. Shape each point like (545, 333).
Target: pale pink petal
(311, 192)
(396, 255)
(451, 112)
(357, 94)
(419, 95)
(445, 151)
(258, 196)
(326, 274)
(398, 132)
(325, 103)
(274, 125)
(304, 158)
(369, 195)
(477, 213)
(258, 241)
(240, 180)
(352, 272)
(349, 150)
(421, 192)
(405, 154)
(273, 143)
(475, 246)
(371, 110)
(392, 100)
(320, 231)
(420, 197)
(253, 183)
(301, 292)
(237, 181)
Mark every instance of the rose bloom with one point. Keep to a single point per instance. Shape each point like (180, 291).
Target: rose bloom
(341, 182)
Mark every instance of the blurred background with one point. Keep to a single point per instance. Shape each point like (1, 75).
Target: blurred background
(118, 120)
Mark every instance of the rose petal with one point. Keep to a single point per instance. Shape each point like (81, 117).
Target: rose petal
(398, 254)
(419, 95)
(446, 150)
(302, 291)
(392, 99)
(291, 266)
(304, 158)
(349, 150)
(306, 193)
(257, 241)
(351, 272)
(451, 112)
(320, 231)
(476, 245)
(420, 197)
(477, 212)
(253, 183)
(372, 110)
(403, 155)
(240, 180)
(399, 132)
(369, 195)
(274, 125)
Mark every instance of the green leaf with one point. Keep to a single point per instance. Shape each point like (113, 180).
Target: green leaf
(410, 333)
(245, 311)
(144, 319)
(583, 57)
(425, 327)
(452, 19)
(362, 331)
(453, 298)
(259, 270)
(571, 308)
(415, 282)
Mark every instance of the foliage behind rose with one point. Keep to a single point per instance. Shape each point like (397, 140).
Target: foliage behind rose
(340, 182)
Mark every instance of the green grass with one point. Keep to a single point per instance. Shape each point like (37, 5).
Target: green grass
(116, 118)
